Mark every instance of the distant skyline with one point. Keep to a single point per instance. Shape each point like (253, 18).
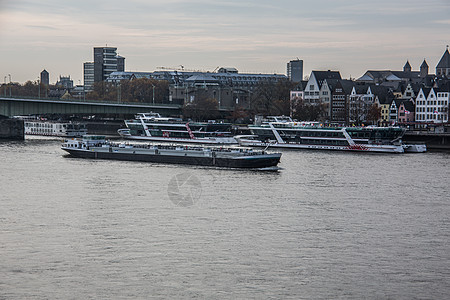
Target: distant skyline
(253, 36)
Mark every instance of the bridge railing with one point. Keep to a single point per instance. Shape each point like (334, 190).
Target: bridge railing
(90, 101)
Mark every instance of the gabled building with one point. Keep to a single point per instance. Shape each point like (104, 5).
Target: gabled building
(384, 102)
(298, 91)
(405, 112)
(314, 85)
(432, 105)
(360, 99)
(411, 91)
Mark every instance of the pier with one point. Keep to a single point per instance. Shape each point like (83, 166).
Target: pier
(433, 140)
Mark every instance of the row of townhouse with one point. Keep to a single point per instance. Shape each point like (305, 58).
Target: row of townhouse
(401, 97)
(350, 102)
(344, 101)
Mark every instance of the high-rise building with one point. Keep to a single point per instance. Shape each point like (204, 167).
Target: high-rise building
(120, 63)
(88, 71)
(45, 78)
(295, 70)
(105, 62)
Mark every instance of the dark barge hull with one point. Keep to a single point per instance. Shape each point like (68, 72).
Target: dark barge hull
(251, 162)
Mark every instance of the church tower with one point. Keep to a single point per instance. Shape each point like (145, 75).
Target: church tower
(443, 67)
(424, 69)
(407, 67)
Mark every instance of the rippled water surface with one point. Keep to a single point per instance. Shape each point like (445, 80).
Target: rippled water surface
(328, 226)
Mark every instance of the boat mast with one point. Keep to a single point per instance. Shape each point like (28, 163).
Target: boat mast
(147, 132)
(277, 135)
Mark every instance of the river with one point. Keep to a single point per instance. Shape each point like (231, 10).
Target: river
(329, 225)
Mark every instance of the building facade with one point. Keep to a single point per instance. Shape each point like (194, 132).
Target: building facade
(432, 105)
(229, 87)
(105, 62)
(88, 71)
(295, 70)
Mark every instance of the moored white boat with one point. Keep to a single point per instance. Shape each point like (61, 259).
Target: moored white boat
(153, 127)
(54, 128)
(311, 135)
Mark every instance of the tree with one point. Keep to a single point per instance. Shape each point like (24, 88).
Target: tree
(202, 109)
(240, 115)
(374, 114)
(142, 90)
(272, 98)
(308, 112)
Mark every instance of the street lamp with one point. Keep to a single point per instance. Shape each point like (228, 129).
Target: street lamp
(9, 85)
(153, 93)
(39, 85)
(4, 87)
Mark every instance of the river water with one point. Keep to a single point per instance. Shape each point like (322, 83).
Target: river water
(330, 225)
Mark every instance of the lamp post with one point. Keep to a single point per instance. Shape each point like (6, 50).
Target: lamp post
(4, 87)
(39, 90)
(119, 93)
(10, 94)
(153, 93)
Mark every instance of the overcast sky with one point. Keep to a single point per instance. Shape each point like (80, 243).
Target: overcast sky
(256, 36)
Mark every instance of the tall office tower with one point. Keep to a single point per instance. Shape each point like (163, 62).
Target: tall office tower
(120, 63)
(45, 78)
(88, 71)
(295, 70)
(105, 62)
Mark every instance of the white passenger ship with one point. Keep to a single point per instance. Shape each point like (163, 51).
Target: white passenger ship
(50, 128)
(152, 127)
(282, 132)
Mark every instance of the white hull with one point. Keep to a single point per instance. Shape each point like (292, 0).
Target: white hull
(415, 148)
(357, 147)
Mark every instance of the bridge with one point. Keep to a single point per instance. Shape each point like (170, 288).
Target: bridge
(19, 106)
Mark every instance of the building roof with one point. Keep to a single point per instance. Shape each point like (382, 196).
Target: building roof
(382, 75)
(426, 91)
(301, 86)
(444, 63)
(409, 105)
(322, 75)
(347, 85)
(361, 88)
(444, 87)
(202, 78)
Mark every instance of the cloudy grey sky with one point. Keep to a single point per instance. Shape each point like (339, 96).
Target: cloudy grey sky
(258, 36)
